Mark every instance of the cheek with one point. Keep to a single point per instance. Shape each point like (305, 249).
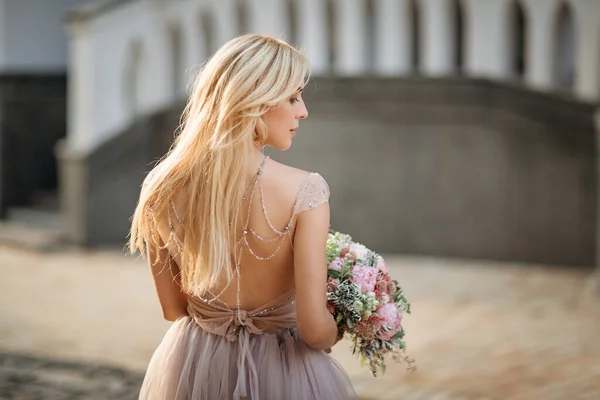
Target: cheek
(276, 124)
(279, 121)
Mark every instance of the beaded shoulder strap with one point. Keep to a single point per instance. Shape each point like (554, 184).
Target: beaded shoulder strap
(313, 192)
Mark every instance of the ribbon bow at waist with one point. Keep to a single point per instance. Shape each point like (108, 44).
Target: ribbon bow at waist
(237, 325)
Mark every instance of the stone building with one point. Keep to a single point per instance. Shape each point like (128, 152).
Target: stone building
(459, 128)
(33, 66)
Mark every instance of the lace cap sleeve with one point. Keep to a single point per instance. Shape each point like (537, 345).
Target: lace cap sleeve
(314, 191)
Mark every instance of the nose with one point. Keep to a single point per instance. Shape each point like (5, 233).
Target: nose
(303, 112)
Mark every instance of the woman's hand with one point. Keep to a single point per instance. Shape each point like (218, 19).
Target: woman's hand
(328, 350)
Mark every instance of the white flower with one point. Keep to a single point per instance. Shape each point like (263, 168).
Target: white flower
(359, 250)
(370, 302)
(358, 306)
(382, 266)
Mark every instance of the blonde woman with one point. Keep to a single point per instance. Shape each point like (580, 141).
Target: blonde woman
(236, 241)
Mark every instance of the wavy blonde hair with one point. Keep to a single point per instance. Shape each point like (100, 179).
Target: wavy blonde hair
(211, 156)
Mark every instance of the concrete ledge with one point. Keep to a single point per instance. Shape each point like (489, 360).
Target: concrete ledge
(94, 9)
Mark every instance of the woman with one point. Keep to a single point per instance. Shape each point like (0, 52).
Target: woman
(236, 241)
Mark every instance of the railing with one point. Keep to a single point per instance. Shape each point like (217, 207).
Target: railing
(135, 57)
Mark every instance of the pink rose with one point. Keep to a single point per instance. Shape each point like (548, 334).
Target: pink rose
(332, 284)
(391, 318)
(383, 298)
(348, 254)
(381, 288)
(382, 266)
(365, 277)
(344, 251)
(392, 288)
(336, 264)
(383, 281)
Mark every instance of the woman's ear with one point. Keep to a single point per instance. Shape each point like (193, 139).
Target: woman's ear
(260, 133)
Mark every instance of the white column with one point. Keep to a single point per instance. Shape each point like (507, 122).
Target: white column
(541, 18)
(438, 37)
(207, 35)
(269, 17)
(156, 92)
(587, 62)
(489, 32)
(73, 178)
(80, 86)
(350, 34)
(312, 34)
(394, 36)
(193, 46)
(225, 21)
(3, 34)
(597, 125)
(176, 54)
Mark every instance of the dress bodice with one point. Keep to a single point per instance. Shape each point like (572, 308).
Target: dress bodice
(218, 318)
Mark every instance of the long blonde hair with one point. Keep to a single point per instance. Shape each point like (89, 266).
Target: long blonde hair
(211, 156)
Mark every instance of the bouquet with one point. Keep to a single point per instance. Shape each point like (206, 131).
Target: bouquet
(366, 303)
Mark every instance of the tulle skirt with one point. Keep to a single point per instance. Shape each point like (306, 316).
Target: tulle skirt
(276, 365)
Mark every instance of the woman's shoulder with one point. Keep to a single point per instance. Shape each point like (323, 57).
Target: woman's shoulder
(292, 178)
(305, 189)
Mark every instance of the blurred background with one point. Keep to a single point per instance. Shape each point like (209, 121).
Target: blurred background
(458, 137)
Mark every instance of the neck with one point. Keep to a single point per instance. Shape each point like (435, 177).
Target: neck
(256, 161)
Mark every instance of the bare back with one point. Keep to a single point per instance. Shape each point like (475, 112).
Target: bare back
(266, 263)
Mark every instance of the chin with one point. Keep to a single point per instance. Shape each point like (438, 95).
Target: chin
(282, 146)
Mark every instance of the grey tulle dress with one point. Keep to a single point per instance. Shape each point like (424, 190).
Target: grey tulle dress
(223, 353)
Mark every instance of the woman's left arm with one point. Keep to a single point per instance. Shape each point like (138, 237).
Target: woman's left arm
(164, 263)
(167, 281)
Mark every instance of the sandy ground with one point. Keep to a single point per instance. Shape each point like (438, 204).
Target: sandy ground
(479, 330)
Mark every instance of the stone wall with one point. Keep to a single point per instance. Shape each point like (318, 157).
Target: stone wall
(456, 168)
(449, 167)
(100, 190)
(32, 120)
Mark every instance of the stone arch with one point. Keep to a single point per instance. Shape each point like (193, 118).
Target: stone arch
(134, 78)
(518, 39)
(292, 21)
(242, 16)
(332, 33)
(564, 47)
(178, 67)
(371, 36)
(598, 70)
(459, 35)
(416, 35)
(207, 40)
